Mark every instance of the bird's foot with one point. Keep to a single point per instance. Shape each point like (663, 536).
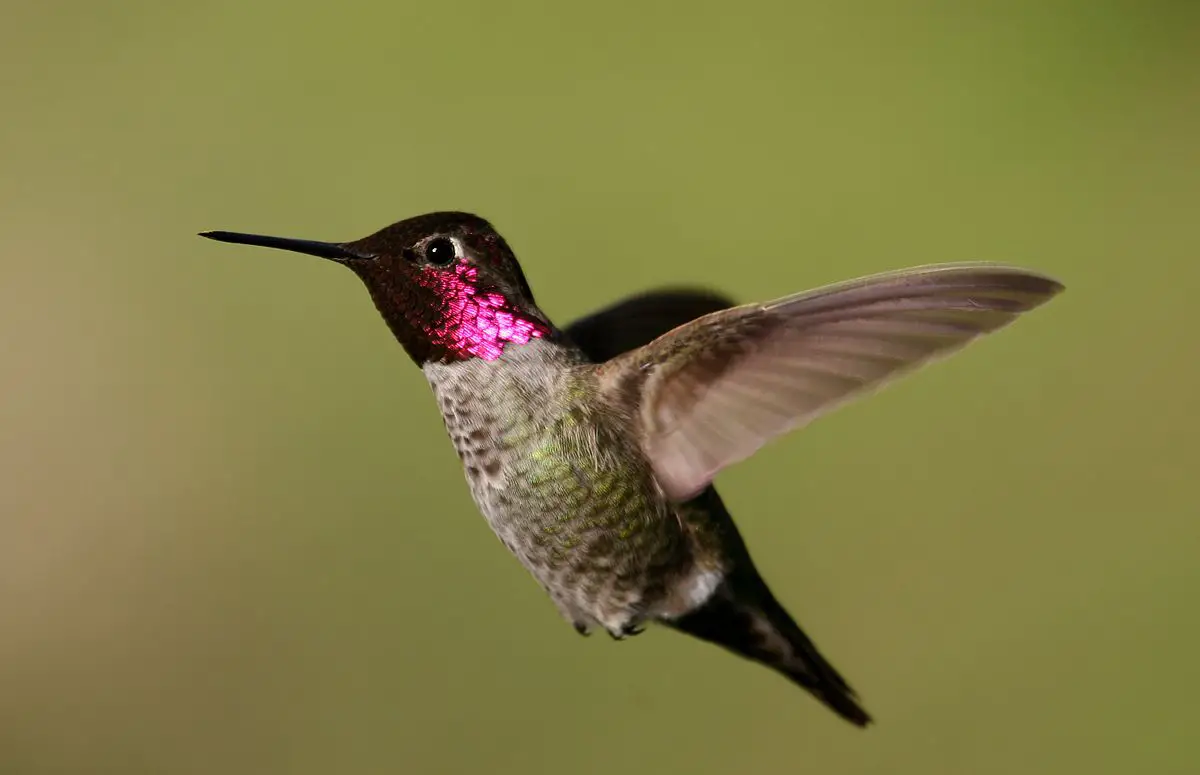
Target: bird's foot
(626, 631)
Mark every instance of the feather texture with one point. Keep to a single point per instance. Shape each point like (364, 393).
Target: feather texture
(715, 390)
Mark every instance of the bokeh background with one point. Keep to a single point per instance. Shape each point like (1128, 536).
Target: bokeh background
(234, 539)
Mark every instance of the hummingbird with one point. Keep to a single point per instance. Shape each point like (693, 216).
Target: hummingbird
(591, 449)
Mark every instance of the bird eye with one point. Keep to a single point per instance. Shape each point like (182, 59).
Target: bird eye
(441, 251)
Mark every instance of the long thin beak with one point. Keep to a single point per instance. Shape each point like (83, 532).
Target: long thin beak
(331, 250)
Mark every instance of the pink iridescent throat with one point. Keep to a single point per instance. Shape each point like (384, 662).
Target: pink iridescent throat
(472, 322)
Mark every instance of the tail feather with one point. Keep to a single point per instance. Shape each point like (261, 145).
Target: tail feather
(761, 630)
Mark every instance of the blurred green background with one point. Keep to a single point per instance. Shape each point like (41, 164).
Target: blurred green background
(234, 538)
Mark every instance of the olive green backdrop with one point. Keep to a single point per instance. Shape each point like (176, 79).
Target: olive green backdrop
(234, 539)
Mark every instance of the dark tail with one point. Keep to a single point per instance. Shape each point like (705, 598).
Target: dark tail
(756, 627)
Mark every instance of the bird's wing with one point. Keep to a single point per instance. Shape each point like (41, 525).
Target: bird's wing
(639, 320)
(713, 391)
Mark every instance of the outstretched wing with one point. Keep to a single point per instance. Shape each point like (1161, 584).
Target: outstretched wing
(713, 391)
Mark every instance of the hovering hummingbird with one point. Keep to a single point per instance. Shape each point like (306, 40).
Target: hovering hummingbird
(591, 450)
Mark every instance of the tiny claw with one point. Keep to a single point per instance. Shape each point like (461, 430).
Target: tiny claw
(582, 629)
(626, 631)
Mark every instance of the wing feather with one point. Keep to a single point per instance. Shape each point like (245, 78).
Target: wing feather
(713, 391)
